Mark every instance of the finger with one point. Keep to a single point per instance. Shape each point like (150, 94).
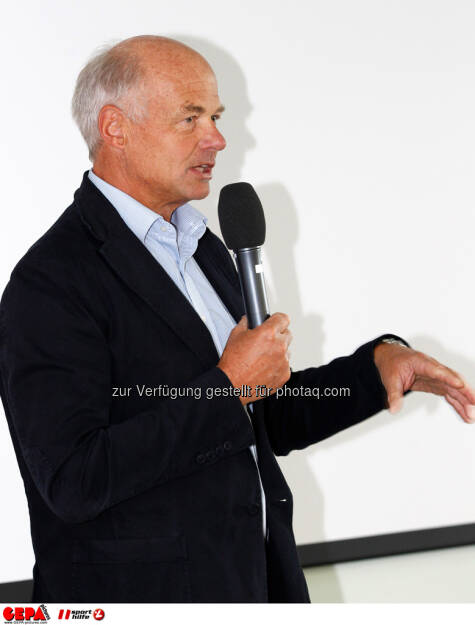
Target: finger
(285, 336)
(395, 392)
(431, 368)
(430, 385)
(242, 325)
(239, 328)
(279, 321)
(459, 408)
(466, 403)
(467, 394)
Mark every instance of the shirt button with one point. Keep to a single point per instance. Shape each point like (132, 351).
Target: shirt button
(203, 318)
(253, 509)
(163, 228)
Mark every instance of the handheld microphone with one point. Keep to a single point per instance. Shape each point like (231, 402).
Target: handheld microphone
(243, 227)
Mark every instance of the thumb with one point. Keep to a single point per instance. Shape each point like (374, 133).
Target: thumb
(395, 394)
(242, 325)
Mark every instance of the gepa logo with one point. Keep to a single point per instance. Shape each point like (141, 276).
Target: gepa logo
(25, 614)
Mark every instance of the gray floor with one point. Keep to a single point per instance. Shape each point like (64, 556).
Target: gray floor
(442, 576)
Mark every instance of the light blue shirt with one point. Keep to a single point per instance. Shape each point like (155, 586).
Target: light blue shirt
(173, 244)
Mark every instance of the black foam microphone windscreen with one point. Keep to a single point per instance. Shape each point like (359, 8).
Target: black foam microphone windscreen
(243, 227)
(241, 216)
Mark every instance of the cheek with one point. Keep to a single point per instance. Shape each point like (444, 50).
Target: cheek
(161, 156)
(151, 159)
(144, 143)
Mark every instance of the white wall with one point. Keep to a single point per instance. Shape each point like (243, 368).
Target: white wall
(356, 123)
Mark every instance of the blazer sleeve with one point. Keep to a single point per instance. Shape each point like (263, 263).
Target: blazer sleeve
(320, 401)
(55, 369)
(295, 421)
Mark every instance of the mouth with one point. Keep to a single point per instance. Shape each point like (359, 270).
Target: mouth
(203, 170)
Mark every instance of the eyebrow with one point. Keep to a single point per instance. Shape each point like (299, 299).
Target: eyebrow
(196, 108)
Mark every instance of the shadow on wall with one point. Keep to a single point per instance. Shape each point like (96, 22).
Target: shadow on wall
(282, 236)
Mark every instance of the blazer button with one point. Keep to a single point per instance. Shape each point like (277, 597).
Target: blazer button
(227, 445)
(210, 455)
(253, 508)
(200, 458)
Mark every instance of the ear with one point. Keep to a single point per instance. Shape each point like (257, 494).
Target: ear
(112, 126)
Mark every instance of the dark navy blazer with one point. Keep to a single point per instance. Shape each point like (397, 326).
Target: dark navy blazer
(144, 498)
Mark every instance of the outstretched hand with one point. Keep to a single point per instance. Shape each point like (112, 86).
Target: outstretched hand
(402, 369)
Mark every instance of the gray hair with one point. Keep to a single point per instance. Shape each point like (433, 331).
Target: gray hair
(112, 76)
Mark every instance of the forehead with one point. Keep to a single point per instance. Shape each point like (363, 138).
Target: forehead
(179, 91)
(178, 73)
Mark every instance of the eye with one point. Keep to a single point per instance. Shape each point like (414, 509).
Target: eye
(215, 117)
(188, 123)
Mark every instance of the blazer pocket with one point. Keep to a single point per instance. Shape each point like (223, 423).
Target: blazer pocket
(133, 570)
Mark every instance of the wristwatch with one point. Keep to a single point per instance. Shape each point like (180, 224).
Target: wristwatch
(392, 340)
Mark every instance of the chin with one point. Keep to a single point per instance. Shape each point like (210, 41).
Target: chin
(200, 193)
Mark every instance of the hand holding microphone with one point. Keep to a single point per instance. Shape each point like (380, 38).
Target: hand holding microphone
(256, 353)
(258, 356)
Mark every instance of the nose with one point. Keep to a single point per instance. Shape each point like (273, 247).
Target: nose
(213, 139)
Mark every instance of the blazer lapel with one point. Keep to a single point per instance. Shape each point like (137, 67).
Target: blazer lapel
(226, 286)
(136, 266)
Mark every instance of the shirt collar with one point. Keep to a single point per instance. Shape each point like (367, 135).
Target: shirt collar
(188, 220)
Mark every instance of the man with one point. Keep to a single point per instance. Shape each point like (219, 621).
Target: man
(122, 343)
